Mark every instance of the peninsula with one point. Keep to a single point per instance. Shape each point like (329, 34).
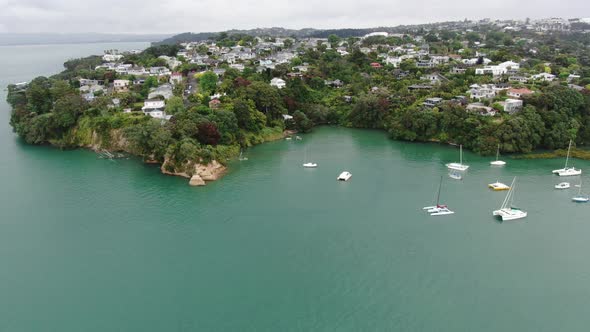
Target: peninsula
(192, 102)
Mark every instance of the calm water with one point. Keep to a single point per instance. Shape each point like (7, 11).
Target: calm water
(93, 245)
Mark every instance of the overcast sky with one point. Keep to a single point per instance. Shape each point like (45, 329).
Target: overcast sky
(172, 16)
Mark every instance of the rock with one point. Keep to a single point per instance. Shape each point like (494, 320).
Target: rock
(196, 180)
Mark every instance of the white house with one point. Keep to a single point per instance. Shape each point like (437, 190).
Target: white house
(544, 77)
(394, 61)
(279, 83)
(499, 69)
(121, 85)
(512, 106)
(112, 57)
(155, 109)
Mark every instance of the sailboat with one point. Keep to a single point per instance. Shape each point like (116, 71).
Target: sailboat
(498, 162)
(568, 171)
(438, 209)
(306, 163)
(241, 157)
(507, 211)
(579, 198)
(459, 166)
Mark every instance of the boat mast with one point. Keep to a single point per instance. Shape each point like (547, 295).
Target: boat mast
(461, 154)
(568, 153)
(508, 195)
(438, 195)
(498, 152)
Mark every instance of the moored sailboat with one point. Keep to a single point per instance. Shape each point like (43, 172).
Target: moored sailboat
(568, 171)
(498, 162)
(459, 166)
(507, 211)
(438, 209)
(580, 198)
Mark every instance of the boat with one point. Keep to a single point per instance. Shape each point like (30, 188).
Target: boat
(498, 162)
(580, 198)
(459, 166)
(456, 176)
(568, 171)
(306, 163)
(241, 157)
(562, 185)
(498, 186)
(298, 138)
(438, 209)
(507, 211)
(344, 176)
(288, 138)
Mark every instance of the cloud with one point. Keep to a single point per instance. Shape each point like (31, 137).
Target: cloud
(171, 16)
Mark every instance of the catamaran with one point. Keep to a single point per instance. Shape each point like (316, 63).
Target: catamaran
(568, 171)
(459, 166)
(579, 198)
(507, 211)
(241, 157)
(438, 209)
(498, 186)
(498, 162)
(306, 163)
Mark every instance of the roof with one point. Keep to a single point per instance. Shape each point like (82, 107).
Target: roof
(522, 91)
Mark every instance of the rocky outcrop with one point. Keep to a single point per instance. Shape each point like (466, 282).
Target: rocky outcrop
(197, 173)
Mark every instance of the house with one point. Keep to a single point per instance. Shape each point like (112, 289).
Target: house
(424, 64)
(171, 62)
(511, 106)
(301, 69)
(479, 92)
(112, 57)
(159, 71)
(155, 109)
(89, 82)
(434, 78)
(237, 66)
(394, 61)
(335, 83)
(480, 109)
(277, 82)
(546, 77)
(516, 78)
(519, 93)
(121, 85)
(164, 90)
(432, 102)
(176, 78)
(376, 65)
(91, 88)
(572, 77)
(88, 97)
(219, 71)
(457, 71)
(214, 104)
(499, 69)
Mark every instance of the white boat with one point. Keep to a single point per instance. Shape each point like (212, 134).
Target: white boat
(288, 138)
(498, 186)
(459, 166)
(438, 209)
(456, 176)
(498, 162)
(306, 163)
(344, 176)
(298, 138)
(568, 171)
(580, 198)
(507, 211)
(562, 185)
(241, 157)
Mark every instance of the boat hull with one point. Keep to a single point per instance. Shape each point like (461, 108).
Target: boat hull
(498, 163)
(563, 185)
(498, 186)
(310, 165)
(581, 199)
(344, 176)
(457, 167)
(509, 214)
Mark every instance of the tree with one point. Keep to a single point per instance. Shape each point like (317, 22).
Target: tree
(208, 133)
(208, 82)
(302, 123)
(247, 116)
(267, 99)
(67, 110)
(174, 105)
(38, 94)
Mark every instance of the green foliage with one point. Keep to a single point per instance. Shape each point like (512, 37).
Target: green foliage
(208, 82)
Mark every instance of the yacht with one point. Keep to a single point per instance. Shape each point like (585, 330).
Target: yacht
(568, 171)
(507, 211)
(580, 198)
(498, 186)
(498, 162)
(438, 209)
(344, 176)
(562, 185)
(308, 164)
(241, 157)
(459, 166)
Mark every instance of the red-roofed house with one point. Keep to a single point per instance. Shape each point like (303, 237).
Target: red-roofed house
(214, 104)
(517, 93)
(375, 65)
(176, 78)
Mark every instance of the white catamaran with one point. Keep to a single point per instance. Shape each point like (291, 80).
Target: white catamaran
(459, 166)
(438, 209)
(580, 198)
(507, 211)
(498, 162)
(567, 171)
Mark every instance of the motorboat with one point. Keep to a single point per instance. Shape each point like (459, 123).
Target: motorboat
(310, 165)
(562, 185)
(344, 176)
(498, 186)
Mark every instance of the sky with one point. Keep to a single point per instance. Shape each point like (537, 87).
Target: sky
(175, 16)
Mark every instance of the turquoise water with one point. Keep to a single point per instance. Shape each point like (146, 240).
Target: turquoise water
(88, 244)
